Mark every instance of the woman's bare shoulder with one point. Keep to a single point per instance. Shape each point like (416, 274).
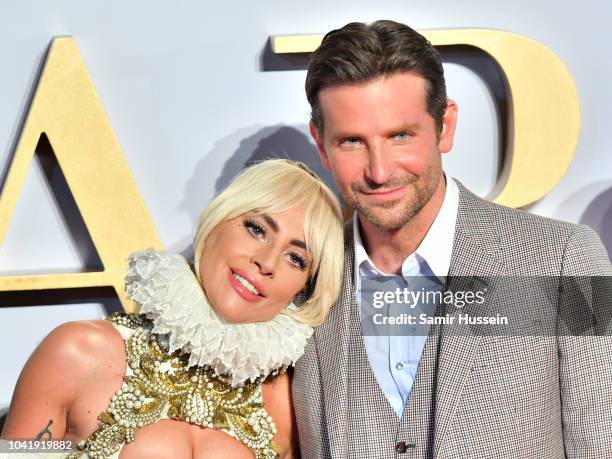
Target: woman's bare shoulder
(75, 351)
(66, 360)
(90, 333)
(77, 342)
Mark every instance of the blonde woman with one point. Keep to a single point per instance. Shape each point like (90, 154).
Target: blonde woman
(200, 372)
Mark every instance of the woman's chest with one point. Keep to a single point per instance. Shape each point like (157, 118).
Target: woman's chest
(171, 422)
(181, 440)
(163, 438)
(152, 401)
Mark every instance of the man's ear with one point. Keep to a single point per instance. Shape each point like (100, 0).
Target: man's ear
(449, 122)
(314, 132)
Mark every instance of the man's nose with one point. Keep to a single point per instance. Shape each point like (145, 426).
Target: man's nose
(265, 259)
(380, 167)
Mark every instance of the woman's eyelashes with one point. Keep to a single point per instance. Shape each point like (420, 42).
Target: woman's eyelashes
(297, 260)
(258, 231)
(255, 229)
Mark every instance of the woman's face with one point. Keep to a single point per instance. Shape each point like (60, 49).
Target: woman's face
(253, 266)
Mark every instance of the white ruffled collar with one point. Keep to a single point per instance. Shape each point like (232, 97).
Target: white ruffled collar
(170, 295)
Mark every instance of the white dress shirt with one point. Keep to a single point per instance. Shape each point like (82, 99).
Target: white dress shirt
(395, 359)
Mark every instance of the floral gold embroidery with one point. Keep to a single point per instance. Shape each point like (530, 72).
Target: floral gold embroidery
(159, 384)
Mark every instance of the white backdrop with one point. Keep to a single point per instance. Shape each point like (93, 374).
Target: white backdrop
(192, 94)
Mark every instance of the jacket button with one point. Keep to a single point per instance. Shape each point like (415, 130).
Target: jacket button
(401, 447)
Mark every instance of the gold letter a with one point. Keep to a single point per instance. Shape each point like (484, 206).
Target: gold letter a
(67, 110)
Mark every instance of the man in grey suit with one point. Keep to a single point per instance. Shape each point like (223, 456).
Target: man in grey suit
(381, 120)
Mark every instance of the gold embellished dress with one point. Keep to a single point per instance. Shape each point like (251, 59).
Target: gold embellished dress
(159, 385)
(185, 363)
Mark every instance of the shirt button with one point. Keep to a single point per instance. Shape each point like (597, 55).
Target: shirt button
(399, 366)
(402, 447)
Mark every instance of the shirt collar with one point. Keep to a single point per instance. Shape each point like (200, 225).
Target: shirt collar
(436, 248)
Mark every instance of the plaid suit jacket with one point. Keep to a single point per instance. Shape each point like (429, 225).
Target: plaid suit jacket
(528, 397)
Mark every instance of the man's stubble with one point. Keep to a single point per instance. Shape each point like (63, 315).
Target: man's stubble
(393, 215)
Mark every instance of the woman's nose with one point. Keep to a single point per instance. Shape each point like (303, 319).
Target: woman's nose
(265, 259)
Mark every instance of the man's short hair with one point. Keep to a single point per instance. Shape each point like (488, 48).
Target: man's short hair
(360, 53)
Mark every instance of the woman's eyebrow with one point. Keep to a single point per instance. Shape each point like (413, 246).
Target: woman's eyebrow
(274, 225)
(270, 221)
(298, 243)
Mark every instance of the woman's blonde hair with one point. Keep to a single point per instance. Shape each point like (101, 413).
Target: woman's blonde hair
(277, 185)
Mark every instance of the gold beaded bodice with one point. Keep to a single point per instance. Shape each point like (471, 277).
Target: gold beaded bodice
(160, 385)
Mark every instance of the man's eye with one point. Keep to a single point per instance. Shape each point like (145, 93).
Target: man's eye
(297, 260)
(403, 135)
(351, 141)
(255, 229)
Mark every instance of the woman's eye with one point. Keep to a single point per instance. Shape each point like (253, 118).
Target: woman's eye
(255, 229)
(297, 260)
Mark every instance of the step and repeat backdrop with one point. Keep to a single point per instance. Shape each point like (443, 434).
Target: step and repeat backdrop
(120, 121)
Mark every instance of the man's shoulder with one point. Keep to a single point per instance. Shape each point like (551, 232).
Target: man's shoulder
(525, 238)
(472, 206)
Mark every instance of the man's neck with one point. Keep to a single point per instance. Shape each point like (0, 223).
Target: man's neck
(389, 249)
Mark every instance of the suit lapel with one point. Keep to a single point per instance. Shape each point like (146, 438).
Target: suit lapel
(475, 253)
(332, 340)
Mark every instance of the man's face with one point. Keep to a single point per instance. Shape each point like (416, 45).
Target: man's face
(381, 144)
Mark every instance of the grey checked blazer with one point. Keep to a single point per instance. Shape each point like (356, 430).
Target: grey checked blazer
(473, 397)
